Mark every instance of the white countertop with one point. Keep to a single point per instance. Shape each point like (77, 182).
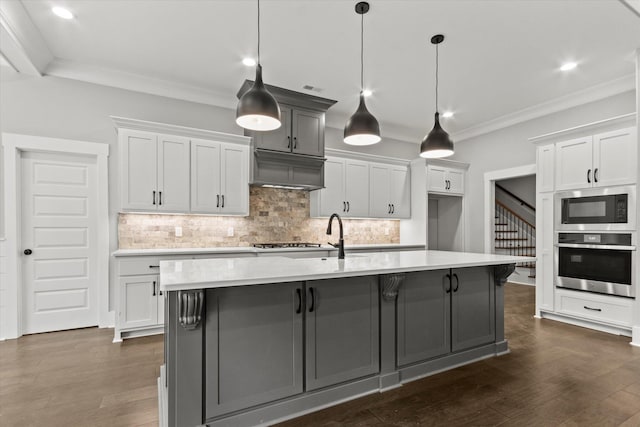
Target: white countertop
(250, 249)
(221, 273)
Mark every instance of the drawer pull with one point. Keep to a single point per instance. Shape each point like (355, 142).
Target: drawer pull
(154, 266)
(592, 309)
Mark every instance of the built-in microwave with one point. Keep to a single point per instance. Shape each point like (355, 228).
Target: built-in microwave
(599, 209)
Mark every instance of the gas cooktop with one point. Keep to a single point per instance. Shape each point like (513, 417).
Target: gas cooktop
(286, 245)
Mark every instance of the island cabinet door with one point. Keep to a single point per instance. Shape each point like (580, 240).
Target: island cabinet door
(423, 313)
(342, 339)
(253, 346)
(473, 318)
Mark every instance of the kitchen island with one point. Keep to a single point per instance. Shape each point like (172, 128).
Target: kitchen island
(252, 341)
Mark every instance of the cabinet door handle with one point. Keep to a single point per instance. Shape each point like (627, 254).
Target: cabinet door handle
(595, 175)
(344, 206)
(592, 309)
(154, 197)
(447, 289)
(455, 276)
(589, 176)
(299, 293)
(222, 201)
(389, 210)
(153, 288)
(154, 266)
(159, 197)
(289, 141)
(159, 291)
(217, 200)
(348, 207)
(295, 142)
(313, 300)
(446, 184)
(393, 208)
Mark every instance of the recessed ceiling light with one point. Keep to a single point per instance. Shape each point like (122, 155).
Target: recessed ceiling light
(249, 62)
(367, 92)
(447, 114)
(62, 12)
(568, 66)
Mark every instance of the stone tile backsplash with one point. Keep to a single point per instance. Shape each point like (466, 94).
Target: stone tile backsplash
(275, 215)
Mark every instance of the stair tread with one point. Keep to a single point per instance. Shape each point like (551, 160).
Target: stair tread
(501, 223)
(515, 247)
(511, 238)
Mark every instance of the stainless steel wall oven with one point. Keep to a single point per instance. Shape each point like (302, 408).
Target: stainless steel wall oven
(597, 262)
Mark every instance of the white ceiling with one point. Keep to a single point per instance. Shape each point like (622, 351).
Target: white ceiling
(499, 56)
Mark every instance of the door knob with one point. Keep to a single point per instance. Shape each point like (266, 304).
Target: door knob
(28, 251)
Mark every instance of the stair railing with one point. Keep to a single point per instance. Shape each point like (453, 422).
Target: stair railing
(514, 235)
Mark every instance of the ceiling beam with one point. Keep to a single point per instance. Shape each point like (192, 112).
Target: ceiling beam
(21, 43)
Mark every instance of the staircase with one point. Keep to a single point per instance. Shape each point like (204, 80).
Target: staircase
(515, 236)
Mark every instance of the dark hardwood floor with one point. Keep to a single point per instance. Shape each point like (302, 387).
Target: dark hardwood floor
(555, 375)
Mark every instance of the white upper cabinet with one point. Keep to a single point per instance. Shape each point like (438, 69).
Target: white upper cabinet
(362, 189)
(346, 189)
(597, 161)
(445, 180)
(173, 174)
(155, 172)
(389, 192)
(545, 163)
(162, 172)
(219, 178)
(615, 157)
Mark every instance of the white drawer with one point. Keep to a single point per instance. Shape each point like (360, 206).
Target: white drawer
(609, 309)
(133, 266)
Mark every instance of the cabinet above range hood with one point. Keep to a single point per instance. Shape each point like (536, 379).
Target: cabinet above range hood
(291, 156)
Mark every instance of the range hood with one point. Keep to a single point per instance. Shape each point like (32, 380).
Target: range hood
(292, 156)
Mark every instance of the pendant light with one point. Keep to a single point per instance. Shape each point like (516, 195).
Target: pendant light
(362, 128)
(437, 143)
(257, 108)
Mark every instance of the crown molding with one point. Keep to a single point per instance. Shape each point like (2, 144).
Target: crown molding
(22, 44)
(593, 93)
(633, 5)
(618, 121)
(138, 83)
(355, 155)
(143, 125)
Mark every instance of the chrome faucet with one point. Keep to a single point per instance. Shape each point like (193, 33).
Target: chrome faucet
(340, 244)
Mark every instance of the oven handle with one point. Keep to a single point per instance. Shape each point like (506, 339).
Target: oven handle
(587, 246)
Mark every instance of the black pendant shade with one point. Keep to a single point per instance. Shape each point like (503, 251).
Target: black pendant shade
(437, 143)
(362, 128)
(257, 108)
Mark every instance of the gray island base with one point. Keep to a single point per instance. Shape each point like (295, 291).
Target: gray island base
(253, 342)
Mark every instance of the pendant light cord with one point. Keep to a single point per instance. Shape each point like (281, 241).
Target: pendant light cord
(258, 32)
(436, 78)
(361, 52)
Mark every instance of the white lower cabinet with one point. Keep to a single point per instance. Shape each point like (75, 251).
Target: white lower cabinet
(601, 308)
(140, 304)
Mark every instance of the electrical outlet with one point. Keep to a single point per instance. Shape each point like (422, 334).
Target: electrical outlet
(178, 231)
(386, 231)
(230, 232)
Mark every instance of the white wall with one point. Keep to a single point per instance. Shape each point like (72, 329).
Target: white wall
(524, 187)
(507, 148)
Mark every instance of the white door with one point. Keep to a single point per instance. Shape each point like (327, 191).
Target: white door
(400, 192)
(436, 177)
(332, 196)
(173, 174)
(379, 201)
(58, 226)
(139, 305)
(234, 179)
(615, 158)
(139, 169)
(205, 176)
(455, 182)
(356, 188)
(574, 164)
